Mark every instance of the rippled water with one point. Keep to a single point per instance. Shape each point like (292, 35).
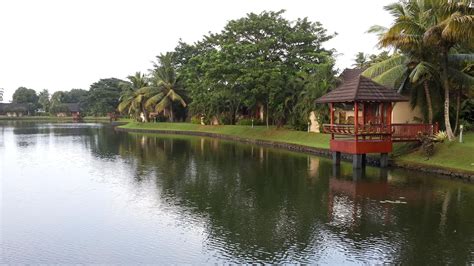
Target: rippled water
(82, 193)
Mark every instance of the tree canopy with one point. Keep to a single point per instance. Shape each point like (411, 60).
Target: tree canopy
(253, 64)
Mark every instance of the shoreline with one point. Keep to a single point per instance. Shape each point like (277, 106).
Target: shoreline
(371, 160)
(53, 119)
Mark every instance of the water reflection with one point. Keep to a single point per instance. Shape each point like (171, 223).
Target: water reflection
(252, 203)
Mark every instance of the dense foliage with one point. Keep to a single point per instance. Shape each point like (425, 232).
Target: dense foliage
(259, 65)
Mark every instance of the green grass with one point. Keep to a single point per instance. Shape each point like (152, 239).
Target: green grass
(259, 132)
(452, 155)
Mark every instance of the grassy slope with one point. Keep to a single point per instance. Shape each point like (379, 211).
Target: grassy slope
(258, 132)
(453, 155)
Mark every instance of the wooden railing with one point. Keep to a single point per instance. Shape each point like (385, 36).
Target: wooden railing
(410, 132)
(397, 132)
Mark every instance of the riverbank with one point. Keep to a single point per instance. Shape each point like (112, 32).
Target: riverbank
(449, 156)
(446, 160)
(54, 118)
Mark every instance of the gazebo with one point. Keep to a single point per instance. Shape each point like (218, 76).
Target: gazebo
(371, 129)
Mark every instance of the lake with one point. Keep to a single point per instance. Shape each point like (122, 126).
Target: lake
(83, 193)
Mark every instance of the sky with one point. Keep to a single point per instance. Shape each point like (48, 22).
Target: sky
(61, 45)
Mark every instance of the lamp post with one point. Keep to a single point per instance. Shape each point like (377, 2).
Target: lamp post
(460, 133)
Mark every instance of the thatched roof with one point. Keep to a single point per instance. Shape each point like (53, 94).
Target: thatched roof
(73, 107)
(14, 107)
(357, 88)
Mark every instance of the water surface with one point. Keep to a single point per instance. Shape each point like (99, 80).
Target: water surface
(83, 193)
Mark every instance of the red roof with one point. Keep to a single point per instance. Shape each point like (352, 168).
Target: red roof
(357, 88)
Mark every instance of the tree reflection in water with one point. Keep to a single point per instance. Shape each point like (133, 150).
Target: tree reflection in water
(269, 205)
(262, 204)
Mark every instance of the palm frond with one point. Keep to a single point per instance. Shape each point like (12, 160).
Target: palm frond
(458, 59)
(176, 97)
(153, 100)
(422, 70)
(390, 77)
(384, 66)
(162, 105)
(460, 77)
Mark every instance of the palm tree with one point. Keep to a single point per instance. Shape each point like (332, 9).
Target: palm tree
(361, 61)
(406, 35)
(399, 69)
(168, 87)
(135, 95)
(413, 22)
(454, 25)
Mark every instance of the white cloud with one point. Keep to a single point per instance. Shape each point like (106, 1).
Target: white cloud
(60, 45)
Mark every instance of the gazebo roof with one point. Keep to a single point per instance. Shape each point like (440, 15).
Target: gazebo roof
(357, 88)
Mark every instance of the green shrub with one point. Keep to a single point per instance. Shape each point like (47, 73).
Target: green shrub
(248, 122)
(224, 120)
(441, 136)
(196, 120)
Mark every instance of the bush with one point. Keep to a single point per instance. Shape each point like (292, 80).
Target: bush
(427, 144)
(224, 120)
(440, 136)
(196, 120)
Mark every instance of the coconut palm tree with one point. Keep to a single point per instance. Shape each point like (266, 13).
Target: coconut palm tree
(167, 87)
(406, 36)
(453, 26)
(417, 63)
(134, 96)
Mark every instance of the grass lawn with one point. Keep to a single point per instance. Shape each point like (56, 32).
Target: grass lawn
(258, 132)
(452, 155)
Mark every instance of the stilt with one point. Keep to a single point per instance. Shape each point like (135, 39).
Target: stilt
(336, 158)
(364, 160)
(383, 160)
(383, 174)
(336, 170)
(358, 174)
(357, 161)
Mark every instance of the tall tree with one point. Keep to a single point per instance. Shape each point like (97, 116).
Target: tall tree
(361, 61)
(134, 95)
(165, 79)
(43, 100)
(418, 62)
(26, 96)
(104, 96)
(253, 62)
(454, 26)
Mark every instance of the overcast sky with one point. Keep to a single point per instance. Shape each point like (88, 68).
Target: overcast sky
(60, 45)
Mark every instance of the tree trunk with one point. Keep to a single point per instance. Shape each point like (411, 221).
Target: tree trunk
(145, 114)
(458, 109)
(171, 112)
(267, 115)
(428, 101)
(444, 74)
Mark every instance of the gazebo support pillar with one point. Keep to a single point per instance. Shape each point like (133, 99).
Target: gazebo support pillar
(384, 160)
(357, 161)
(336, 158)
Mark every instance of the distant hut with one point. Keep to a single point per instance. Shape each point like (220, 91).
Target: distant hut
(70, 109)
(15, 109)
